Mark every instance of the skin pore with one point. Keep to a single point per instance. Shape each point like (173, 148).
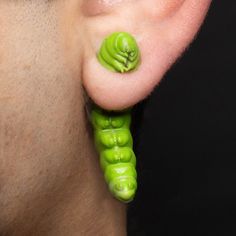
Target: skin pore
(50, 179)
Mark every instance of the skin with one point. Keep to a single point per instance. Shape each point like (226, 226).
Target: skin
(50, 179)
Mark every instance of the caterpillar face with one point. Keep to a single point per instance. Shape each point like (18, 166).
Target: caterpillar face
(114, 144)
(119, 52)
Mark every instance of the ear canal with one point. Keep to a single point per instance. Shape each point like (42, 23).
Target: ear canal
(119, 53)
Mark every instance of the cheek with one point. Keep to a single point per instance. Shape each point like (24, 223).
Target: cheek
(39, 145)
(40, 114)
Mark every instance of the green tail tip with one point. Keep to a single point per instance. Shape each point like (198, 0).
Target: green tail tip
(125, 196)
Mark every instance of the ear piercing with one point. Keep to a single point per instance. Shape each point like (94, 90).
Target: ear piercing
(119, 52)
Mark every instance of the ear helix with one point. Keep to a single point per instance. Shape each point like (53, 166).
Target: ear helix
(119, 52)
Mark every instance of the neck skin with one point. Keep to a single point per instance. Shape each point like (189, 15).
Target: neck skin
(86, 206)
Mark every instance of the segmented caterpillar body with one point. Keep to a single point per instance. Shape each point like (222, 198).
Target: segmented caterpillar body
(115, 146)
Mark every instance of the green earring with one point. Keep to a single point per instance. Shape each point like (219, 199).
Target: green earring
(120, 53)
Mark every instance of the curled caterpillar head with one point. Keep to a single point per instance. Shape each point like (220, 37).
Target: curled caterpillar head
(119, 52)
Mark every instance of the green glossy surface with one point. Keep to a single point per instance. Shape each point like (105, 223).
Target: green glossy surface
(119, 52)
(115, 145)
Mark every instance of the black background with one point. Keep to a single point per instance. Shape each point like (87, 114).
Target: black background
(185, 139)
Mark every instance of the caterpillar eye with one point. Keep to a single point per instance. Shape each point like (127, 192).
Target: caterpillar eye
(119, 187)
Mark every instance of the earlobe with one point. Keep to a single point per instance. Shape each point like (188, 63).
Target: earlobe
(161, 39)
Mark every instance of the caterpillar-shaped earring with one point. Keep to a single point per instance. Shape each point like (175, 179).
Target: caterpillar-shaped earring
(119, 52)
(117, 159)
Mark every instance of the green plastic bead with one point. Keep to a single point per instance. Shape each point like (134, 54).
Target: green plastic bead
(119, 52)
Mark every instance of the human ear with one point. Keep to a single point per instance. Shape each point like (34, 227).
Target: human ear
(162, 29)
